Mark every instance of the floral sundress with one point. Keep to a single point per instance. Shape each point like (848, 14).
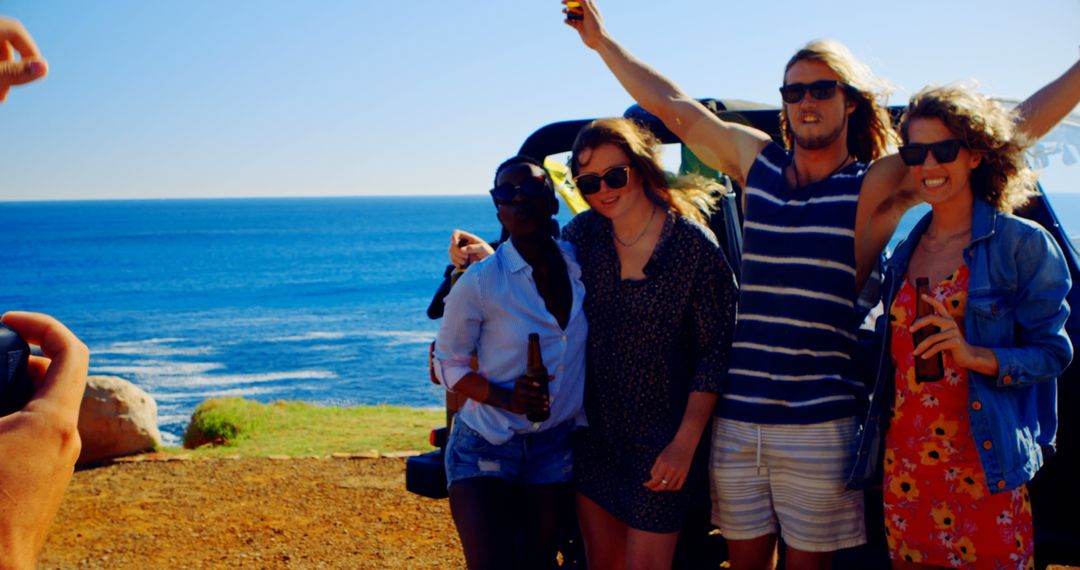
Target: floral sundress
(938, 508)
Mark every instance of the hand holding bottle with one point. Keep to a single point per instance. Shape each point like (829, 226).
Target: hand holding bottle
(473, 249)
(583, 16)
(951, 338)
(530, 397)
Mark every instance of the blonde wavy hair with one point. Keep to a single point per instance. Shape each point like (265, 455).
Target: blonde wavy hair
(1002, 178)
(692, 195)
(870, 131)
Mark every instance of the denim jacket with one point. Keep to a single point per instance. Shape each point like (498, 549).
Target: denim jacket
(1016, 307)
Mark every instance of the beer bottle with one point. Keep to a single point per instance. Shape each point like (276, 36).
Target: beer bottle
(926, 369)
(536, 371)
(459, 271)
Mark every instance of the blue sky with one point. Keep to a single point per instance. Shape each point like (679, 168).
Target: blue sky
(201, 98)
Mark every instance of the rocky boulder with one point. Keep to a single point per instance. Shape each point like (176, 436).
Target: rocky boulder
(116, 418)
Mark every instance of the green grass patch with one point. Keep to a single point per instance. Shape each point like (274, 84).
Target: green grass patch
(235, 426)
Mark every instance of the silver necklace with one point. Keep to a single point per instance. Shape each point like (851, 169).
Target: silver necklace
(795, 167)
(941, 243)
(641, 235)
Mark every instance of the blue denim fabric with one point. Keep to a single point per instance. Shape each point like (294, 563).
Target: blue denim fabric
(536, 458)
(1016, 307)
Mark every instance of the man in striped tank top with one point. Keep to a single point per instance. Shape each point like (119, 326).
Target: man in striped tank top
(817, 217)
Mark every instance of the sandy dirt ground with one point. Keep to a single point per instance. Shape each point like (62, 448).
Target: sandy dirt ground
(250, 513)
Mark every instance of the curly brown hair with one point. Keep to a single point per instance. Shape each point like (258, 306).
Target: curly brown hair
(870, 129)
(692, 195)
(1002, 178)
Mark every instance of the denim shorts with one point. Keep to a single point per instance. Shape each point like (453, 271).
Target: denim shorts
(528, 458)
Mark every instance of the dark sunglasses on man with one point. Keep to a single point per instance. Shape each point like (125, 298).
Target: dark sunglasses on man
(944, 151)
(615, 177)
(820, 90)
(532, 187)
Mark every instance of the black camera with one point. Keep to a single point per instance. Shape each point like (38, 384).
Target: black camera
(15, 386)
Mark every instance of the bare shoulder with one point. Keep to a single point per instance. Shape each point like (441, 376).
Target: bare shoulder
(887, 189)
(884, 177)
(727, 146)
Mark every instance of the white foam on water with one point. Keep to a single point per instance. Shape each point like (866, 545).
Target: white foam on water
(174, 419)
(152, 347)
(393, 338)
(397, 338)
(250, 391)
(314, 335)
(156, 368)
(231, 379)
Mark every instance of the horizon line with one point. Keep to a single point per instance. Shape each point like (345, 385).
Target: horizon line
(192, 198)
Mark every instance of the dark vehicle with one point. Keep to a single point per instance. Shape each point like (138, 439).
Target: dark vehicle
(1055, 495)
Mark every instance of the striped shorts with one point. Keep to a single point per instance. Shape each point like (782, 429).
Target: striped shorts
(789, 478)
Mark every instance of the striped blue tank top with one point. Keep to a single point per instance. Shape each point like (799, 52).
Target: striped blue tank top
(791, 360)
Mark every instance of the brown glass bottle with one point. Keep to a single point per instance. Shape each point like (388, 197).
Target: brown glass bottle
(926, 369)
(459, 271)
(535, 370)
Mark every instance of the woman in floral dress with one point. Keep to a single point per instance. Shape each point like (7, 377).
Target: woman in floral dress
(959, 451)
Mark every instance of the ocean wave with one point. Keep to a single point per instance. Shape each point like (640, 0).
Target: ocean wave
(392, 338)
(173, 419)
(157, 368)
(152, 347)
(314, 335)
(396, 338)
(250, 391)
(195, 381)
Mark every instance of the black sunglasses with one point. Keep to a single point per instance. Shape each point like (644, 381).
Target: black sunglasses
(531, 187)
(615, 177)
(821, 90)
(914, 154)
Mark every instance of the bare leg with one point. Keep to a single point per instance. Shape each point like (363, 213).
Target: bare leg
(543, 504)
(605, 536)
(803, 560)
(481, 507)
(650, 550)
(753, 554)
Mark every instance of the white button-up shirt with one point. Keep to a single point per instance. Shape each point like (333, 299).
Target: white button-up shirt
(491, 311)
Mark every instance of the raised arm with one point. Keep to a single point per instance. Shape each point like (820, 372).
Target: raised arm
(728, 147)
(1049, 105)
(886, 195)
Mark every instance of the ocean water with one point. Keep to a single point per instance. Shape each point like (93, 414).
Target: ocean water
(318, 299)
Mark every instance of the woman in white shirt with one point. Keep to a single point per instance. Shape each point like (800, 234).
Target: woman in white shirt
(508, 474)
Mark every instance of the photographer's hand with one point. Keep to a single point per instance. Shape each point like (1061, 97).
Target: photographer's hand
(30, 66)
(40, 443)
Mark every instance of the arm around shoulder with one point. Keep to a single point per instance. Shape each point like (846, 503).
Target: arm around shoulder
(459, 332)
(886, 195)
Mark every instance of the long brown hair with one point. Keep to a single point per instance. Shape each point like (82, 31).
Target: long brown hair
(693, 196)
(870, 129)
(1002, 178)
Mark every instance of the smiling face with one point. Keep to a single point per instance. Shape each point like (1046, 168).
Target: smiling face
(610, 202)
(817, 124)
(941, 183)
(524, 216)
